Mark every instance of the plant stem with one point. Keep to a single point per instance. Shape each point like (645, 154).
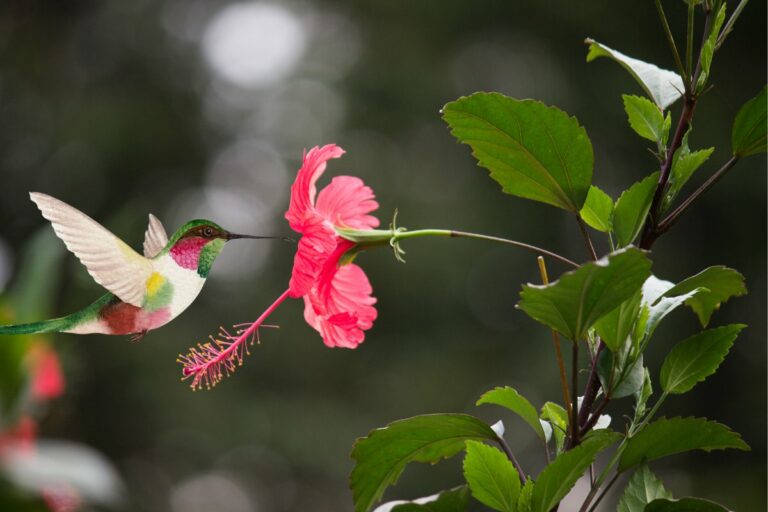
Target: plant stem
(649, 231)
(573, 440)
(667, 223)
(729, 25)
(689, 42)
(593, 419)
(512, 458)
(556, 342)
(590, 392)
(402, 235)
(672, 45)
(605, 491)
(587, 240)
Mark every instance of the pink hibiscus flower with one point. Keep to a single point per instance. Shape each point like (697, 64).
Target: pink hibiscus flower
(337, 298)
(337, 294)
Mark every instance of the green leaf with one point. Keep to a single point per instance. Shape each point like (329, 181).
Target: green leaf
(720, 283)
(532, 150)
(684, 505)
(666, 437)
(684, 164)
(454, 500)
(748, 136)
(696, 358)
(558, 418)
(642, 395)
(557, 479)
(666, 128)
(644, 117)
(509, 398)
(662, 86)
(631, 209)
(381, 456)
(708, 48)
(526, 495)
(598, 210)
(642, 489)
(577, 300)
(658, 306)
(616, 326)
(493, 480)
(621, 376)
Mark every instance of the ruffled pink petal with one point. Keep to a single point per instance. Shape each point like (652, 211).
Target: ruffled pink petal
(346, 202)
(303, 189)
(314, 249)
(344, 311)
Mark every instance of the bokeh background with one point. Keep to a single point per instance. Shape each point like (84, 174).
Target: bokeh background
(201, 108)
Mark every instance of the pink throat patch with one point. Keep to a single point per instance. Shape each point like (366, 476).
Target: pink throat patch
(186, 252)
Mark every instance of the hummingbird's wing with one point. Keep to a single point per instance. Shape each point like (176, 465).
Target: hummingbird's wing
(109, 260)
(155, 239)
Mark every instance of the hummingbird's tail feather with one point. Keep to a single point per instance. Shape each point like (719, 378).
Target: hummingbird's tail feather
(53, 325)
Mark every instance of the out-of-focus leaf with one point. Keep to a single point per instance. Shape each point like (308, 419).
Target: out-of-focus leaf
(453, 500)
(666, 437)
(708, 48)
(573, 304)
(696, 358)
(557, 479)
(532, 150)
(684, 505)
(717, 283)
(642, 489)
(598, 210)
(644, 117)
(631, 209)
(662, 86)
(493, 480)
(748, 136)
(381, 457)
(509, 398)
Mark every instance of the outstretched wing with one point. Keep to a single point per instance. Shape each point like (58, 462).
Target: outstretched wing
(113, 264)
(155, 239)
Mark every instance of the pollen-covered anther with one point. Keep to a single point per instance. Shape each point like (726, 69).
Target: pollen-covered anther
(208, 363)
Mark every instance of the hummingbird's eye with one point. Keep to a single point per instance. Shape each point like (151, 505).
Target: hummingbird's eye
(208, 231)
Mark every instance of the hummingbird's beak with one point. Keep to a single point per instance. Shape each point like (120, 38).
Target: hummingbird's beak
(233, 236)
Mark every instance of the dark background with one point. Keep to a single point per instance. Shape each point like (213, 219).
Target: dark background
(202, 108)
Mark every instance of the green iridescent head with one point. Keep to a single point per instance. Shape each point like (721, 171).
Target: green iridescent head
(196, 244)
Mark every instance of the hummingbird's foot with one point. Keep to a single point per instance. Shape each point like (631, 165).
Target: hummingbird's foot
(138, 336)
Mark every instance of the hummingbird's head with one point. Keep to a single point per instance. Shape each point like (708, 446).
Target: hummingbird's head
(196, 244)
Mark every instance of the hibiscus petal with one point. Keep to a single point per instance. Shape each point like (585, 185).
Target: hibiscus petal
(314, 249)
(303, 189)
(342, 309)
(346, 202)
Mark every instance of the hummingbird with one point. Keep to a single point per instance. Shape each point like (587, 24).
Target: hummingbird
(144, 292)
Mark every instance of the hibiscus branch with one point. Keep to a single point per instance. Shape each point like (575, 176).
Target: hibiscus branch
(396, 236)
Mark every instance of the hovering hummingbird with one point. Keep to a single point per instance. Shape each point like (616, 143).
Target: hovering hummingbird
(145, 292)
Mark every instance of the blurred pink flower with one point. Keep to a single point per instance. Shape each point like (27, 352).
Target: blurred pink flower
(20, 437)
(337, 297)
(47, 377)
(62, 498)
